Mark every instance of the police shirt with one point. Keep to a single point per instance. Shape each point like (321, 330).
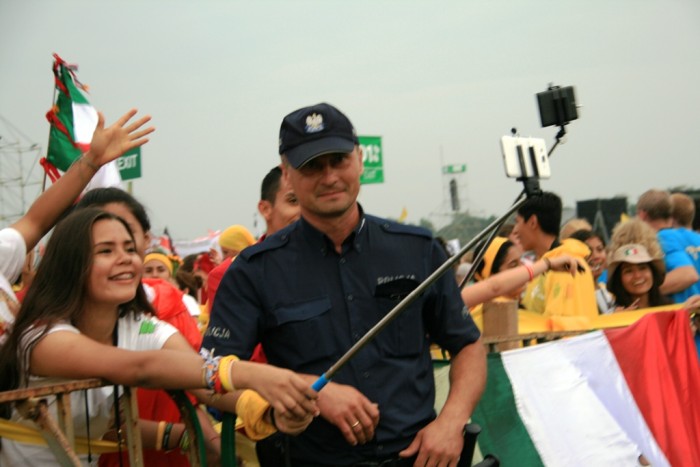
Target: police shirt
(308, 305)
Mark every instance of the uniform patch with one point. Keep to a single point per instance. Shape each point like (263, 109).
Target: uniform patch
(218, 332)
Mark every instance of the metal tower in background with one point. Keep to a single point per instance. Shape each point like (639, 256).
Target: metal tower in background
(20, 176)
(454, 187)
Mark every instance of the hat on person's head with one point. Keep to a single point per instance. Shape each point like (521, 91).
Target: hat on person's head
(314, 131)
(634, 253)
(236, 238)
(490, 256)
(160, 257)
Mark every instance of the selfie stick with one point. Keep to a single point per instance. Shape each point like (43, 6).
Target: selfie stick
(410, 298)
(529, 190)
(531, 182)
(532, 188)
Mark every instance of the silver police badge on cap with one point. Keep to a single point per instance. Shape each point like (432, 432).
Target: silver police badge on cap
(314, 123)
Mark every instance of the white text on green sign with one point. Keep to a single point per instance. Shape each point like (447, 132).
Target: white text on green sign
(129, 164)
(372, 159)
(454, 168)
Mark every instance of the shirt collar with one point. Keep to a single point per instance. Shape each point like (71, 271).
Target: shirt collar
(318, 239)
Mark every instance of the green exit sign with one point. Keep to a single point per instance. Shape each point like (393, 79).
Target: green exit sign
(454, 168)
(129, 164)
(372, 159)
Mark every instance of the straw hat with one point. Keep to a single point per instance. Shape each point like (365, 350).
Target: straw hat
(634, 253)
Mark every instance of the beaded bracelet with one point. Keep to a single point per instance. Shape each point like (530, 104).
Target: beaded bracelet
(210, 369)
(184, 441)
(166, 436)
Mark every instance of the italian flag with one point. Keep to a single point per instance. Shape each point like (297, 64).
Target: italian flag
(615, 397)
(73, 120)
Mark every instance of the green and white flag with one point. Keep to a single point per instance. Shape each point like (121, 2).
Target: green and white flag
(73, 121)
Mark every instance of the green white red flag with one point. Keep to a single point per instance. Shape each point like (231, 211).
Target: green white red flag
(73, 121)
(603, 398)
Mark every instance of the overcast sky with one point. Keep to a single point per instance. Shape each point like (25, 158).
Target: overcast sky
(440, 81)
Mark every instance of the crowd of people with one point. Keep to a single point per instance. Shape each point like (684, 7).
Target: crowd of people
(249, 326)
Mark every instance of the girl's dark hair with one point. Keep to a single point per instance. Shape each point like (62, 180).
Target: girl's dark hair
(497, 260)
(100, 197)
(189, 281)
(59, 288)
(583, 235)
(623, 298)
(188, 263)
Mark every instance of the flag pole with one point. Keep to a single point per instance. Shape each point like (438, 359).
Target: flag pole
(53, 100)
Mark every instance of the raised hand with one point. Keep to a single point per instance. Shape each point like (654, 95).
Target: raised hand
(109, 143)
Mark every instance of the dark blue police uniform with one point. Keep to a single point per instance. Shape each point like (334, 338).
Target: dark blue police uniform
(308, 305)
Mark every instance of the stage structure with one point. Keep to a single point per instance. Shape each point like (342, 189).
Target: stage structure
(454, 188)
(20, 176)
(603, 214)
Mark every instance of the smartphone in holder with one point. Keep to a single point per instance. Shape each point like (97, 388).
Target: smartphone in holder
(525, 157)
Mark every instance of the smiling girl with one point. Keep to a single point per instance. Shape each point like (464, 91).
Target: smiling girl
(635, 277)
(87, 316)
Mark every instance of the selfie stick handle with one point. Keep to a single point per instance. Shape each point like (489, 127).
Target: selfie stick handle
(410, 298)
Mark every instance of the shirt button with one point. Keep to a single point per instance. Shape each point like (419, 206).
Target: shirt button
(350, 297)
(342, 260)
(355, 335)
(366, 374)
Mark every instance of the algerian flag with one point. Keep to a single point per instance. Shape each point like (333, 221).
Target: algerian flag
(73, 121)
(603, 398)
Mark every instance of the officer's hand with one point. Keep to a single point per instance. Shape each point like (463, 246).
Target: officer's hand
(291, 424)
(354, 415)
(439, 443)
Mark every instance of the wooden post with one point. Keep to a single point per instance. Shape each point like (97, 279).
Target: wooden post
(501, 319)
(133, 432)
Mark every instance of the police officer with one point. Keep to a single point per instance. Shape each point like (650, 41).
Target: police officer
(311, 290)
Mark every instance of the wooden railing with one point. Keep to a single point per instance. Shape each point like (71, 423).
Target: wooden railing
(32, 404)
(59, 434)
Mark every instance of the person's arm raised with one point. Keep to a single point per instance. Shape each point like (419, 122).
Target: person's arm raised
(506, 281)
(107, 144)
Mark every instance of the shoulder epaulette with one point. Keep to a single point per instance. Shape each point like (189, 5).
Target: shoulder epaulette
(272, 242)
(397, 228)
